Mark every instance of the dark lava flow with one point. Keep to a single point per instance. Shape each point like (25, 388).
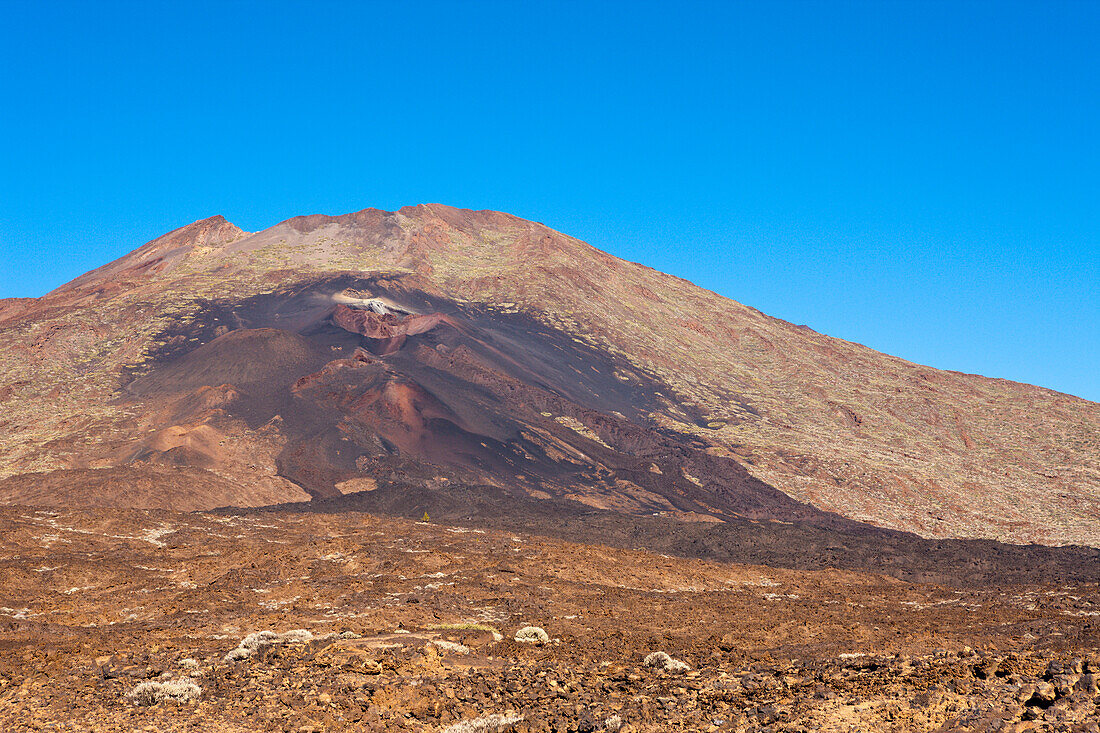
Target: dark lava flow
(494, 419)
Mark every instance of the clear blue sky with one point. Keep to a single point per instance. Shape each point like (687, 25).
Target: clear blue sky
(921, 177)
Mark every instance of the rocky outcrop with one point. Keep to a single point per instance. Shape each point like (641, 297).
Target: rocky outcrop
(387, 331)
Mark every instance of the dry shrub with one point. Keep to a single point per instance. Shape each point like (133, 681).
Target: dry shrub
(262, 639)
(532, 635)
(660, 660)
(486, 724)
(450, 646)
(150, 693)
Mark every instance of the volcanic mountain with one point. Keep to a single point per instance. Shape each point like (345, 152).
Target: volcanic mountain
(433, 350)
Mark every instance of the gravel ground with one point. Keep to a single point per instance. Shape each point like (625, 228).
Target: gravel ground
(410, 626)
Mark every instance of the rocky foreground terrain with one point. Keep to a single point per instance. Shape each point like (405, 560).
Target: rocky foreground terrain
(290, 621)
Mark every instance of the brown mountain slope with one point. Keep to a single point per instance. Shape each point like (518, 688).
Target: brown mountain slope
(450, 346)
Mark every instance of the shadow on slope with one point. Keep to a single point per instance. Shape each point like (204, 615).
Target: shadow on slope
(800, 546)
(373, 377)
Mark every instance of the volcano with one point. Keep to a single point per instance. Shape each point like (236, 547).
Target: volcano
(434, 352)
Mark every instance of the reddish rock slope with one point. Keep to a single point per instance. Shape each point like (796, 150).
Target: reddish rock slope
(458, 347)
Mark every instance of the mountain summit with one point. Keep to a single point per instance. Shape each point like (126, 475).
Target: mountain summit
(436, 348)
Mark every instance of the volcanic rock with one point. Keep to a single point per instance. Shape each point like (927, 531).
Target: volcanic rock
(453, 348)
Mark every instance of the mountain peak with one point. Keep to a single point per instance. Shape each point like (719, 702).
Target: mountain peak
(160, 253)
(211, 231)
(519, 356)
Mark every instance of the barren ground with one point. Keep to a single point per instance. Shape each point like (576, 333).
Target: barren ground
(96, 602)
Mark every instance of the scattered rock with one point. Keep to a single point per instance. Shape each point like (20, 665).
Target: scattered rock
(987, 669)
(1064, 684)
(1043, 695)
(1087, 684)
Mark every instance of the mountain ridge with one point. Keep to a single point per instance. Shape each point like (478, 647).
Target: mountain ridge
(829, 422)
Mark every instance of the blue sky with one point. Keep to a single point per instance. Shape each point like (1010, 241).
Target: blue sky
(922, 177)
